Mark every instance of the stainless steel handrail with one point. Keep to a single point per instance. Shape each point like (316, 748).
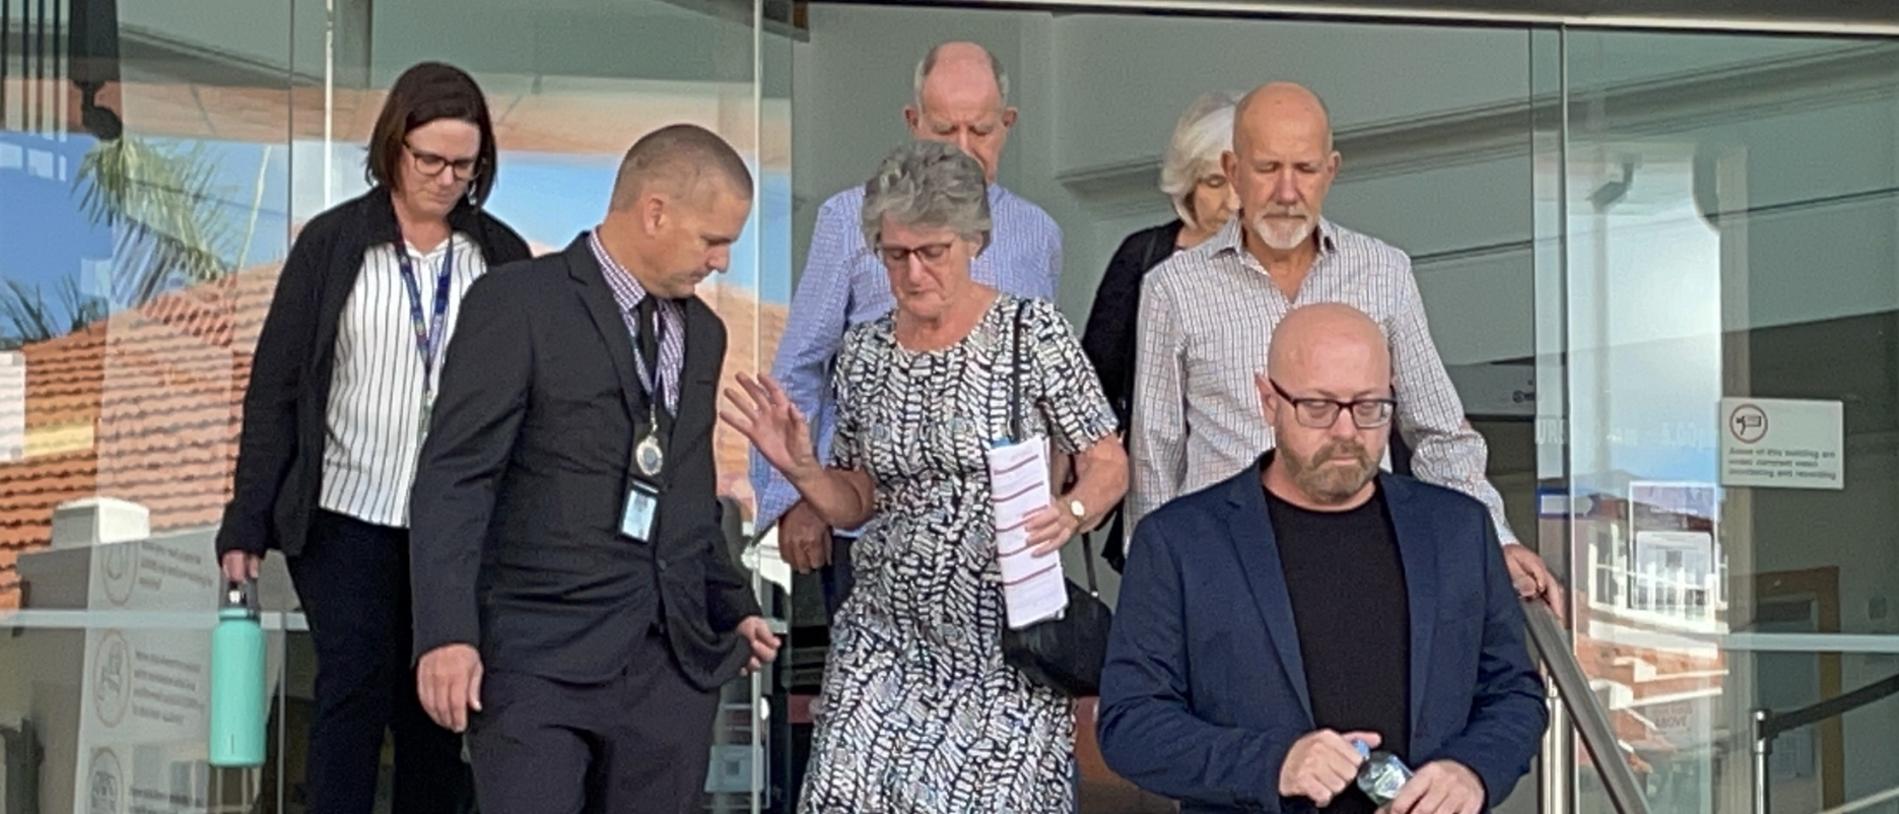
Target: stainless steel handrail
(1591, 721)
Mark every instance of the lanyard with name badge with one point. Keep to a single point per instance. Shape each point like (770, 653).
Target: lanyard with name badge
(649, 454)
(428, 335)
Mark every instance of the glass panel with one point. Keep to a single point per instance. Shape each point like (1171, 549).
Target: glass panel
(1554, 761)
(1733, 371)
(155, 162)
(103, 709)
(783, 29)
(144, 211)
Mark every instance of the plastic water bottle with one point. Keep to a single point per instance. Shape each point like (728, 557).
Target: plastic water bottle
(1381, 774)
(237, 681)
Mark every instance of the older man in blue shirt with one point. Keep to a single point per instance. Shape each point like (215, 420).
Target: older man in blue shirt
(962, 98)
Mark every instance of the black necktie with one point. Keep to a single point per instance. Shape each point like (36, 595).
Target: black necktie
(646, 314)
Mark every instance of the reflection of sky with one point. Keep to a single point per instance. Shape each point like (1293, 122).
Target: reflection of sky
(45, 236)
(1646, 339)
(44, 233)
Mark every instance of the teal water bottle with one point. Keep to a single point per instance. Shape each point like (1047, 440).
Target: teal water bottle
(237, 681)
(1381, 775)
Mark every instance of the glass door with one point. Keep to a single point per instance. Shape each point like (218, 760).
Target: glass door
(156, 162)
(1727, 211)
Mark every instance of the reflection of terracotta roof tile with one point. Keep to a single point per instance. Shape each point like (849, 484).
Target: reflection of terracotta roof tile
(142, 406)
(146, 406)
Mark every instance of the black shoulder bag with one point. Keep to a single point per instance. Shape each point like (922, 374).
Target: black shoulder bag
(1064, 653)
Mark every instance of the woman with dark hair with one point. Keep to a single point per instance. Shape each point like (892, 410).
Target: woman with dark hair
(340, 392)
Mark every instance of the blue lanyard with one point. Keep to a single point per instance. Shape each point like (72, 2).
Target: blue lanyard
(428, 335)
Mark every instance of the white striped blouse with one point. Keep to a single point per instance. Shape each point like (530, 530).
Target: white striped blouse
(374, 418)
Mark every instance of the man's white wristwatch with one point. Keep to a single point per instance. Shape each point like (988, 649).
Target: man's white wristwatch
(1078, 511)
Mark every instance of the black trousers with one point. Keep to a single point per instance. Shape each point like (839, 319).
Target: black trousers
(638, 743)
(353, 581)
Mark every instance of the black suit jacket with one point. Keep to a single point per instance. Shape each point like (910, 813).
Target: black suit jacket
(514, 521)
(280, 450)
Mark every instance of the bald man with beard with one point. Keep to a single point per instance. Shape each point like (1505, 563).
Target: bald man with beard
(1269, 621)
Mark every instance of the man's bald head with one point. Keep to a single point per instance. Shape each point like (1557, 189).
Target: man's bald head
(1315, 339)
(682, 161)
(962, 99)
(960, 64)
(1282, 102)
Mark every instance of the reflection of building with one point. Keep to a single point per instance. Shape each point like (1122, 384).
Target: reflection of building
(145, 406)
(1646, 628)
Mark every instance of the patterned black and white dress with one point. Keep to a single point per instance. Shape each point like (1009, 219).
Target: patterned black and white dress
(919, 712)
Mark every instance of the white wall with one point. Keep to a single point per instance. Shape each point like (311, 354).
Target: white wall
(1102, 91)
(1124, 79)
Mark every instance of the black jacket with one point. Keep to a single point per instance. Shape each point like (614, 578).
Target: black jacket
(514, 522)
(280, 449)
(1109, 339)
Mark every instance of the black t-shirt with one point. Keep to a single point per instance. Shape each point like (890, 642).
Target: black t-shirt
(1347, 587)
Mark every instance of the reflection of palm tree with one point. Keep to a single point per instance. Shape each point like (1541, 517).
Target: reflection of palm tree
(160, 202)
(27, 317)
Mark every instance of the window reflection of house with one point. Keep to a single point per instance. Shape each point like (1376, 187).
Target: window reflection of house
(1646, 624)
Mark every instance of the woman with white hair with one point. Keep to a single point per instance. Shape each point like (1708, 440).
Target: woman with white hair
(920, 711)
(1193, 181)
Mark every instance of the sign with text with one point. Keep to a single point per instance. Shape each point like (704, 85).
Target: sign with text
(1782, 443)
(142, 717)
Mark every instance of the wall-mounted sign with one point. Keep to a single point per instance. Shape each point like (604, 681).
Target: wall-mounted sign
(1782, 443)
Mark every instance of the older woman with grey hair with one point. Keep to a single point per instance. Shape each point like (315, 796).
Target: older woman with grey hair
(1193, 181)
(919, 711)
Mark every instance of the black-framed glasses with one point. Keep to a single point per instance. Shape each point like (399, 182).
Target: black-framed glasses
(1319, 414)
(895, 256)
(432, 164)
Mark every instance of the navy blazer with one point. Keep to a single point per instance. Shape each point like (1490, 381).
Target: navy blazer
(1204, 690)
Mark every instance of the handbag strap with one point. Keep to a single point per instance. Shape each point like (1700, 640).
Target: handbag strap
(1020, 363)
(1088, 560)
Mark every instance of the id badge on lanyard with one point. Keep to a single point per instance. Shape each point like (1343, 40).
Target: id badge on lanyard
(649, 463)
(642, 505)
(642, 495)
(428, 332)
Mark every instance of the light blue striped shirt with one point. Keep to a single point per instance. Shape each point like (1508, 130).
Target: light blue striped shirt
(844, 284)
